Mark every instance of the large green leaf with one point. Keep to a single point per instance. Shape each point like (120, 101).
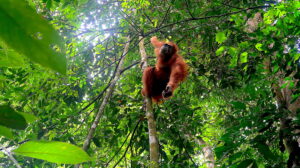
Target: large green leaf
(11, 119)
(6, 132)
(246, 163)
(28, 117)
(28, 33)
(9, 57)
(57, 152)
(223, 150)
(220, 37)
(265, 151)
(244, 57)
(220, 50)
(258, 46)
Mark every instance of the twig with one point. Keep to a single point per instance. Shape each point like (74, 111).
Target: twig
(124, 142)
(131, 138)
(105, 99)
(165, 16)
(206, 17)
(83, 121)
(149, 19)
(10, 156)
(230, 6)
(187, 8)
(118, 150)
(130, 66)
(3, 148)
(103, 91)
(181, 140)
(132, 23)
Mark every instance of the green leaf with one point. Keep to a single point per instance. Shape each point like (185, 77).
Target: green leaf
(233, 52)
(245, 163)
(177, 4)
(56, 152)
(49, 4)
(244, 57)
(28, 33)
(275, 68)
(220, 50)
(235, 156)
(9, 57)
(223, 150)
(11, 119)
(258, 47)
(96, 142)
(221, 37)
(296, 57)
(244, 44)
(264, 150)
(6, 132)
(155, 22)
(28, 117)
(238, 105)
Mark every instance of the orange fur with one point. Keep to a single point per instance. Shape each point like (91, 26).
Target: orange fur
(164, 78)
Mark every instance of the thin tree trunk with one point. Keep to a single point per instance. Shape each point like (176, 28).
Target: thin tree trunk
(288, 110)
(207, 150)
(288, 140)
(106, 98)
(153, 139)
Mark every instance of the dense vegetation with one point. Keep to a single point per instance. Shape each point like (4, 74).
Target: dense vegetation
(64, 63)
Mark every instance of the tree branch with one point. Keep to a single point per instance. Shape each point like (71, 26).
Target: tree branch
(130, 142)
(10, 156)
(106, 98)
(165, 16)
(206, 17)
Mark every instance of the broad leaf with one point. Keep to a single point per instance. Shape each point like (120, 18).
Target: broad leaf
(11, 119)
(6, 132)
(246, 163)
(244, 57)
(221, 37)
(9, 57)
(26, 32)
(223, 150)
(264, 150)
(56, 152)
(220, 50)
(258, 46)
(28, 117)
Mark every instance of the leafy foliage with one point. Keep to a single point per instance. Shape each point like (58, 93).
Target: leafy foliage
(57, 152)
(27, 33)
(240, 53)
(11, 119)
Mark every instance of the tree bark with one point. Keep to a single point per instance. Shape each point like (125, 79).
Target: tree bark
(153, 139)
(207, 150)
(288, 140)
(287, 110)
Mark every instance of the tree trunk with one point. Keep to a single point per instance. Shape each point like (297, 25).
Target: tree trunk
(288, 111)
(109, 92)
(153, 139)
(206, 150)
